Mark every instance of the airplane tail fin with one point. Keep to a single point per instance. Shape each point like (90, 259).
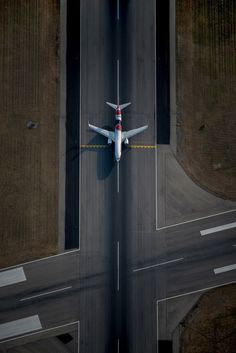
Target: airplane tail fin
(122, 106)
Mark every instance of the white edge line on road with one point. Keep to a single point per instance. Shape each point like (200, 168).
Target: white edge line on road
(38, 260)
(62, 127)
(157, 327)
(194, 292)
(224, 269)
(182, 295)
(46, 293)
(156, 181)
(41, 331)
(80, 125)
(118, 266)
(196, 219)
(78, 336)
(218, 229)
(157, 265)
(155, 107)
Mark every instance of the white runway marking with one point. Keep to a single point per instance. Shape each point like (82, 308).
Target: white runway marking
(118, 102)
(118, 80)
(195, 220)
(46, 293)
(13, 276)
(17, 327)
(157, 265)
(118, 266)
(118, 10)
(218, 229)
(224, 269)
(118, 176)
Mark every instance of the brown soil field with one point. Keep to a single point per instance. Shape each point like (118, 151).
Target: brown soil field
(29, 92)
(211, 325)
(206, 91)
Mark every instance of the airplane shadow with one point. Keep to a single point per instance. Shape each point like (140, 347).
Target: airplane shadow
(105, 154)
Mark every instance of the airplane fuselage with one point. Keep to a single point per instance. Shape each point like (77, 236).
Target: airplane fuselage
(118, 141)
(118, 137)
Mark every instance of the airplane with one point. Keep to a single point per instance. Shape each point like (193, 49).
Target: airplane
(118, 136)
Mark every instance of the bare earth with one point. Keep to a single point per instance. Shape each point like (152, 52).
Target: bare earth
(206, 91)
(29, 91)
(206, 132)
(211, 325)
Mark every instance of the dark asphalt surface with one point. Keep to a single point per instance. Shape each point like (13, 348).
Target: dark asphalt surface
(108, 217)
(72, 124)
(102, 218)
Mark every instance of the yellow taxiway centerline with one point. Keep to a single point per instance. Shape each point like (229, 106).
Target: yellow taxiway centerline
(141, 146)
(94, 146)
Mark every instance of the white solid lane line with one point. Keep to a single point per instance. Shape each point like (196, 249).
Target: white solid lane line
(218, 229)
(13, 276)
(118, 80)
(46, 293)
(224, 269)
(18, 327)
(118, 10)
(118, 176)
(118, 346)
(157, 265)
(118, 266)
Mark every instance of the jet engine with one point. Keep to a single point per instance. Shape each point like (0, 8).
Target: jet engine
(126, 141)
(109, 141)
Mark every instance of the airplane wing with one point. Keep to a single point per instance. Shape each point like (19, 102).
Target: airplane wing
(106, 133)
(131, 133)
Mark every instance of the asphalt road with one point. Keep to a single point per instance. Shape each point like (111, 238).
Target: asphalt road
(124, 265)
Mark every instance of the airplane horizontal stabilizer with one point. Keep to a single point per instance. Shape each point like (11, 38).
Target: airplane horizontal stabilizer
(114, 106)
(122, 106)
